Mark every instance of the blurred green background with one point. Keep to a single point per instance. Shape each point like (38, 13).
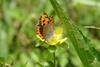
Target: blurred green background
(19, 46)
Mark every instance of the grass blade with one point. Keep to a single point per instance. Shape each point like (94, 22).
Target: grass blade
(79, 43)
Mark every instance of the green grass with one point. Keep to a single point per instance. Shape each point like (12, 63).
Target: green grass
(75, 35)
(19, 46)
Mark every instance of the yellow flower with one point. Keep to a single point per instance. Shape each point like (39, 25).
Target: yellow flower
(57, 37)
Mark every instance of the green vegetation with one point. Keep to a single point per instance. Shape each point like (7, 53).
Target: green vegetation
(20, 47)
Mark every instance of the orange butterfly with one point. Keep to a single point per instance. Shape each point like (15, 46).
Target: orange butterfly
(45, 28)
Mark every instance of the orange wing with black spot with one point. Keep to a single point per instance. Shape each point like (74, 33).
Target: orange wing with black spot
(43, 23)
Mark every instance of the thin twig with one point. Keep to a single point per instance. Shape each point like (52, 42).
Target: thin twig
(92, 27)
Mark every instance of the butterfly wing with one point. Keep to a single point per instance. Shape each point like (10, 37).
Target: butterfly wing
(39, 31)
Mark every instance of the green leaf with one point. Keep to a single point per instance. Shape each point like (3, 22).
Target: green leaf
(80, 44)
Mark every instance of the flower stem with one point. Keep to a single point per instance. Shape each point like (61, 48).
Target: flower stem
(54, 59)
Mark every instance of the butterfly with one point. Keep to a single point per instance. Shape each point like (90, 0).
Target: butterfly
(47, 32)
(45, 28)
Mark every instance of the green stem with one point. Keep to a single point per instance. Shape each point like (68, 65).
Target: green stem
(54, 59)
